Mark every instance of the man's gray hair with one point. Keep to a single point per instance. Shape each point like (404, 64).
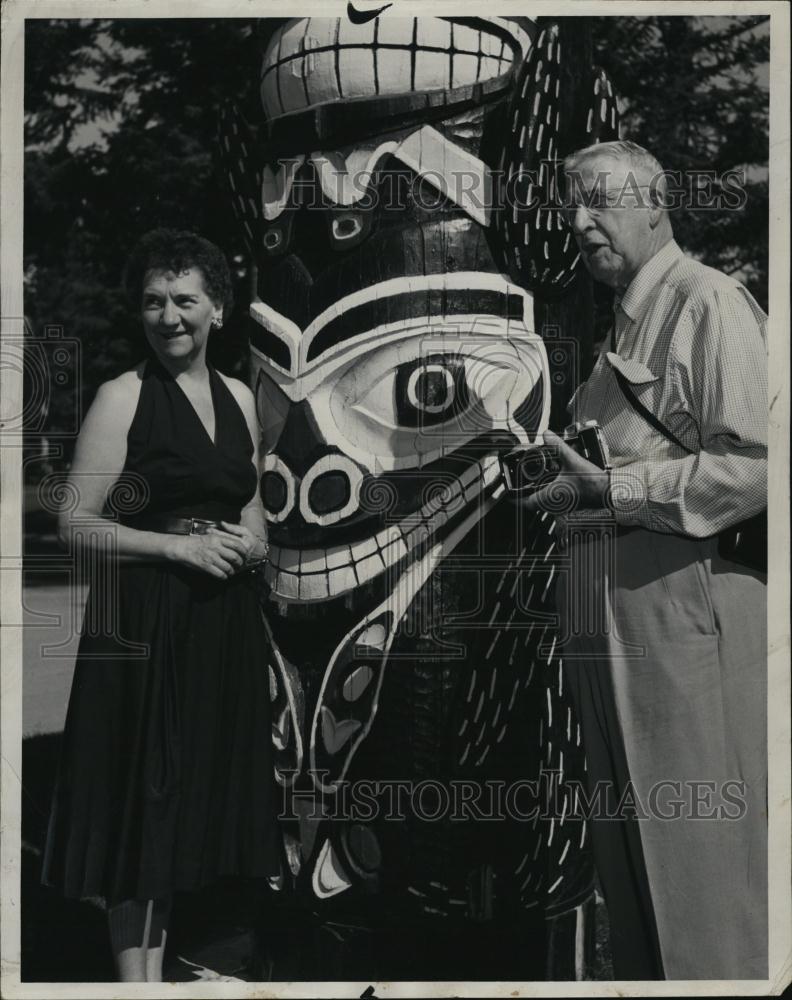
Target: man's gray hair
(643, 163)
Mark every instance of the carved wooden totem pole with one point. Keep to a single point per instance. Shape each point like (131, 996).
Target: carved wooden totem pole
(398, 197)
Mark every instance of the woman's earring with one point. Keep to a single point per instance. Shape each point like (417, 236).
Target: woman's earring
(217, 323)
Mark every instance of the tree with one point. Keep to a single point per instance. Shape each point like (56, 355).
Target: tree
(694, 94)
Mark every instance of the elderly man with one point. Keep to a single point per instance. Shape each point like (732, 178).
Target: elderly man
(670, 674)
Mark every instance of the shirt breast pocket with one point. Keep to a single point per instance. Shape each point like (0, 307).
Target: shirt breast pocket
(631, 435)
(639, 376)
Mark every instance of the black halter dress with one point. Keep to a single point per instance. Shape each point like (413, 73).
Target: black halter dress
(166, 779)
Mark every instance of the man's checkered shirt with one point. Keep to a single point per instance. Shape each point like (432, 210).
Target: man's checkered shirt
(693, 344)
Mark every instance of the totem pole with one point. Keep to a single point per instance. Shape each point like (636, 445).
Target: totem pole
(398, 198)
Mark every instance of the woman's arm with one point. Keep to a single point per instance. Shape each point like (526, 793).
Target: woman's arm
(99, 458)
(252, 519)
(253, 516)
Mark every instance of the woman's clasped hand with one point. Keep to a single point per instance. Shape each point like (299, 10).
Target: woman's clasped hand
(218, 553)
(256, 547)
(221, 552)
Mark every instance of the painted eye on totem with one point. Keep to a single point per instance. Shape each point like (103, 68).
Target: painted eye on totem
(403, 398)
(430, 390)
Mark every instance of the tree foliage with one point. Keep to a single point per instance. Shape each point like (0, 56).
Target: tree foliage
(120, 127)
(693, 94)
(120, 139)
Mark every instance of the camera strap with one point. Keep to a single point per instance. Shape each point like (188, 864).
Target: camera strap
(745, 542)
(647, 414)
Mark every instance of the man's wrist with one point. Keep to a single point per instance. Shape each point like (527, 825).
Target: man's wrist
(627, 496)
(594, 490)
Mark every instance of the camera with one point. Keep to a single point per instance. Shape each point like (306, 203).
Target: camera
(526, 470)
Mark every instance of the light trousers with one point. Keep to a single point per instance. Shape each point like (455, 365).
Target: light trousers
(666, 652)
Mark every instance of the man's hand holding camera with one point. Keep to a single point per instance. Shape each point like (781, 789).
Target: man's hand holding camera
(574, 467)
(589, 482)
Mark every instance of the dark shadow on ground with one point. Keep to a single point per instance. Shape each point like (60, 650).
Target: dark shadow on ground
(239, 929)
(62, 940)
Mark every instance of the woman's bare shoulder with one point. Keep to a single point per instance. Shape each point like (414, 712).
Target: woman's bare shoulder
(119, 396)
(102, 440)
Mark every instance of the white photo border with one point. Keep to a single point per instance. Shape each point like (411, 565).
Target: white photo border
(14, 15)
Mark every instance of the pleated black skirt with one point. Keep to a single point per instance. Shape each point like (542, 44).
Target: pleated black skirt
(166, 780)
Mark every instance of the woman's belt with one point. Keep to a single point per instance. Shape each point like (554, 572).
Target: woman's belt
(171, 525)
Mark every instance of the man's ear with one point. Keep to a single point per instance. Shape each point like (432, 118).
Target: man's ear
(657, 194)
(655, 216)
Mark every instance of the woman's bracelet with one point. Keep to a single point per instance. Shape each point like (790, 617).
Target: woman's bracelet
(259, 560)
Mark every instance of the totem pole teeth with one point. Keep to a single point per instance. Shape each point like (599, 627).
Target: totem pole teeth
(317, 60)
(318, 574)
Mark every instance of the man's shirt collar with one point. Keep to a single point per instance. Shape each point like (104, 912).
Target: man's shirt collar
(641, 288)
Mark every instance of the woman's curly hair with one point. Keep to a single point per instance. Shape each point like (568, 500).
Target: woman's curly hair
(177, 250)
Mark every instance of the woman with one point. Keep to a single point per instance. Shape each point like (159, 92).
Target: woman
(166, 779)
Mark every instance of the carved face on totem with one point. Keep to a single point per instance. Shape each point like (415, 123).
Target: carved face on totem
(387, 205)
(391, 359)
